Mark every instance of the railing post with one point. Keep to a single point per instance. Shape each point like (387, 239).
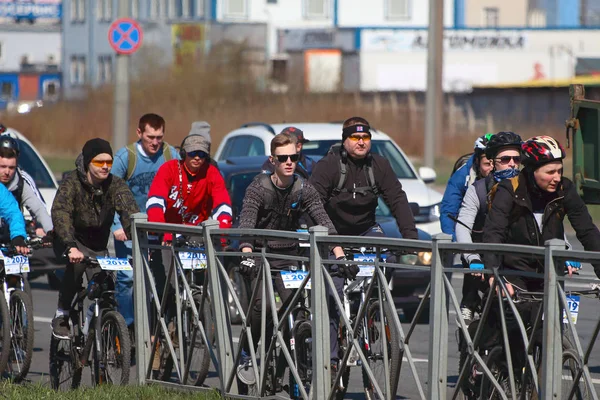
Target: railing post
(321, 385)
(438, 323)
(142, 325)
(219, 308)
(552, 342)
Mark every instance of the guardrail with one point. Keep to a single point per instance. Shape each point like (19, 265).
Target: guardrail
(210, 316)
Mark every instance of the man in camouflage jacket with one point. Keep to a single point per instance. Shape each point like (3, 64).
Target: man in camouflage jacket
(82, 214)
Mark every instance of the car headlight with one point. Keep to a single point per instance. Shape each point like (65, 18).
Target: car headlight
(424, 257)
(434, 212)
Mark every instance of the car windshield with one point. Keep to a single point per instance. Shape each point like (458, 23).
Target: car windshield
(31, 163)
(237, 185)
(384, 148)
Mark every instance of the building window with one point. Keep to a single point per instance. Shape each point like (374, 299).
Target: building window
(77, 10)
(201, 7)
(51, 89)
(154, 9)
(104, 69)
(135, 9)
(77, 70)
(271, 1)
(7, 90)
(398, 9)
(186, 8)
(235, 8)
(315, 8)
(104, 10)
(491, 17)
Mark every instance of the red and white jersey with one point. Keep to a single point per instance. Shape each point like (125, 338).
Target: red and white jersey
(177, 197)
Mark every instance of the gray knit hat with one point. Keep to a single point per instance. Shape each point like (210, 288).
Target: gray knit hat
(196, 142)
(201, 128)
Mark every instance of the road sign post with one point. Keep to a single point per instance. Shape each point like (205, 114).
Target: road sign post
(125, 37)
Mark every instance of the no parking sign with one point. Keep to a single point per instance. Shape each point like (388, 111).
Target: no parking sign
(125, 36)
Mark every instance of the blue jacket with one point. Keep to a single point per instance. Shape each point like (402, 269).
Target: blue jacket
(453, 196)
(11, 214)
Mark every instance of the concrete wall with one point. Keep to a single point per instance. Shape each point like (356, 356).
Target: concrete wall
(37, 46)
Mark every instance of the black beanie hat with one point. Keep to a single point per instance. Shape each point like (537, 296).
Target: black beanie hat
(92, 148)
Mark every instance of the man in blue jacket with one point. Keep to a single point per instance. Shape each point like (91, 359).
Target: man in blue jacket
(477, 167)
(11, 214)
(137, 164)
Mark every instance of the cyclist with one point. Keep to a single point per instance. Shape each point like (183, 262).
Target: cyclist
(530, 208)
(276, 201)
(187, 191)
(477, 167)
(504, 150)
(82, 214)
(137, 164)
(305, 164)
(364, 176)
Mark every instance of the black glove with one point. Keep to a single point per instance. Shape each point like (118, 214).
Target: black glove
(248, 267)
(348, 271)
(49, 238)
(18, 241)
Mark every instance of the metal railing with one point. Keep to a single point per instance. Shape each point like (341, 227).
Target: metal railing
(440, 297)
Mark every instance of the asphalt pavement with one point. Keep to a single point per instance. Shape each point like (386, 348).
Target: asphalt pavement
(44, 301)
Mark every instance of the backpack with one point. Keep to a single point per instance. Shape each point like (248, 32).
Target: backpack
(462, 160)
(343, 174)
(492, 193)
(132, 161)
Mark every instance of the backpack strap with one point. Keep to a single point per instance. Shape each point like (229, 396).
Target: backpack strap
(482, 195)
(131, 160)
(371, 178)
(343, 173)
(167, 152)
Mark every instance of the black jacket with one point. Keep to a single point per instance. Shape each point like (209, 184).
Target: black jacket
(303, 168)
(354, 213)
(511, 220)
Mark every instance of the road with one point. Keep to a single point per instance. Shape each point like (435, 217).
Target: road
(44, 301)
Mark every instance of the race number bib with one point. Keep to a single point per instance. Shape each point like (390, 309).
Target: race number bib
(573, 304)
(16, 265)
(114, 264)
(191, 260)
(293, 279)
(365, 270)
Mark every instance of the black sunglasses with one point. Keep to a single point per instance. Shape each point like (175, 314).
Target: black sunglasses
(504, 160)
(197, 153)
(284, 157)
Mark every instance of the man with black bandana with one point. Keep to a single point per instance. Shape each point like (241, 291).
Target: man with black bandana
(352, 206)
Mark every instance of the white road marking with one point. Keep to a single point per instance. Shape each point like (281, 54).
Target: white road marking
(42, 319)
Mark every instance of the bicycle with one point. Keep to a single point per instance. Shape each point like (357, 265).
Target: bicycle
(195, 349)
(17, 312)
(479, 386)
(299, 342)
(98, 335)
(372, 322)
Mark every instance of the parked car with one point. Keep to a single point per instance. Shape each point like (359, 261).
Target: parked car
(254, 139)
(43, 261)
(407, 286)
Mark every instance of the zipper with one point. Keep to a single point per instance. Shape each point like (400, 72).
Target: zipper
(546, 208)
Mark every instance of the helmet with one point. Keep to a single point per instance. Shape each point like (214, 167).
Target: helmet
(481, 142)
(500, 140)
(8, 142)
(542, 149)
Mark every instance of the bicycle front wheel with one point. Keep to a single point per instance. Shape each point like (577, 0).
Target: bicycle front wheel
(382, 334)
(65, 372)
(21, 343)
(115, 349)
(196, 350)
(5, 345)
(571, 367)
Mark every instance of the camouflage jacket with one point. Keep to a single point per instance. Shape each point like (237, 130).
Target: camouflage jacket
(85, 213)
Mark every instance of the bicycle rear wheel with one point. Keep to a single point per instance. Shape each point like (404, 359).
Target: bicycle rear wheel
(65, 373)
(21, 319)
(196, 349)
(379, 336)
(115, 349)
(570, 369)
(5, 345)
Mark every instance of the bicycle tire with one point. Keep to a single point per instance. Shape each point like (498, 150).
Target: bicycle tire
(5, 332)
(194, 339)
(496, 363)
(570, 360)
(20, 303)
(61, 358)
(343, 340)
(302, 337)
(469, 388)
(393, 348)
(122, 347)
